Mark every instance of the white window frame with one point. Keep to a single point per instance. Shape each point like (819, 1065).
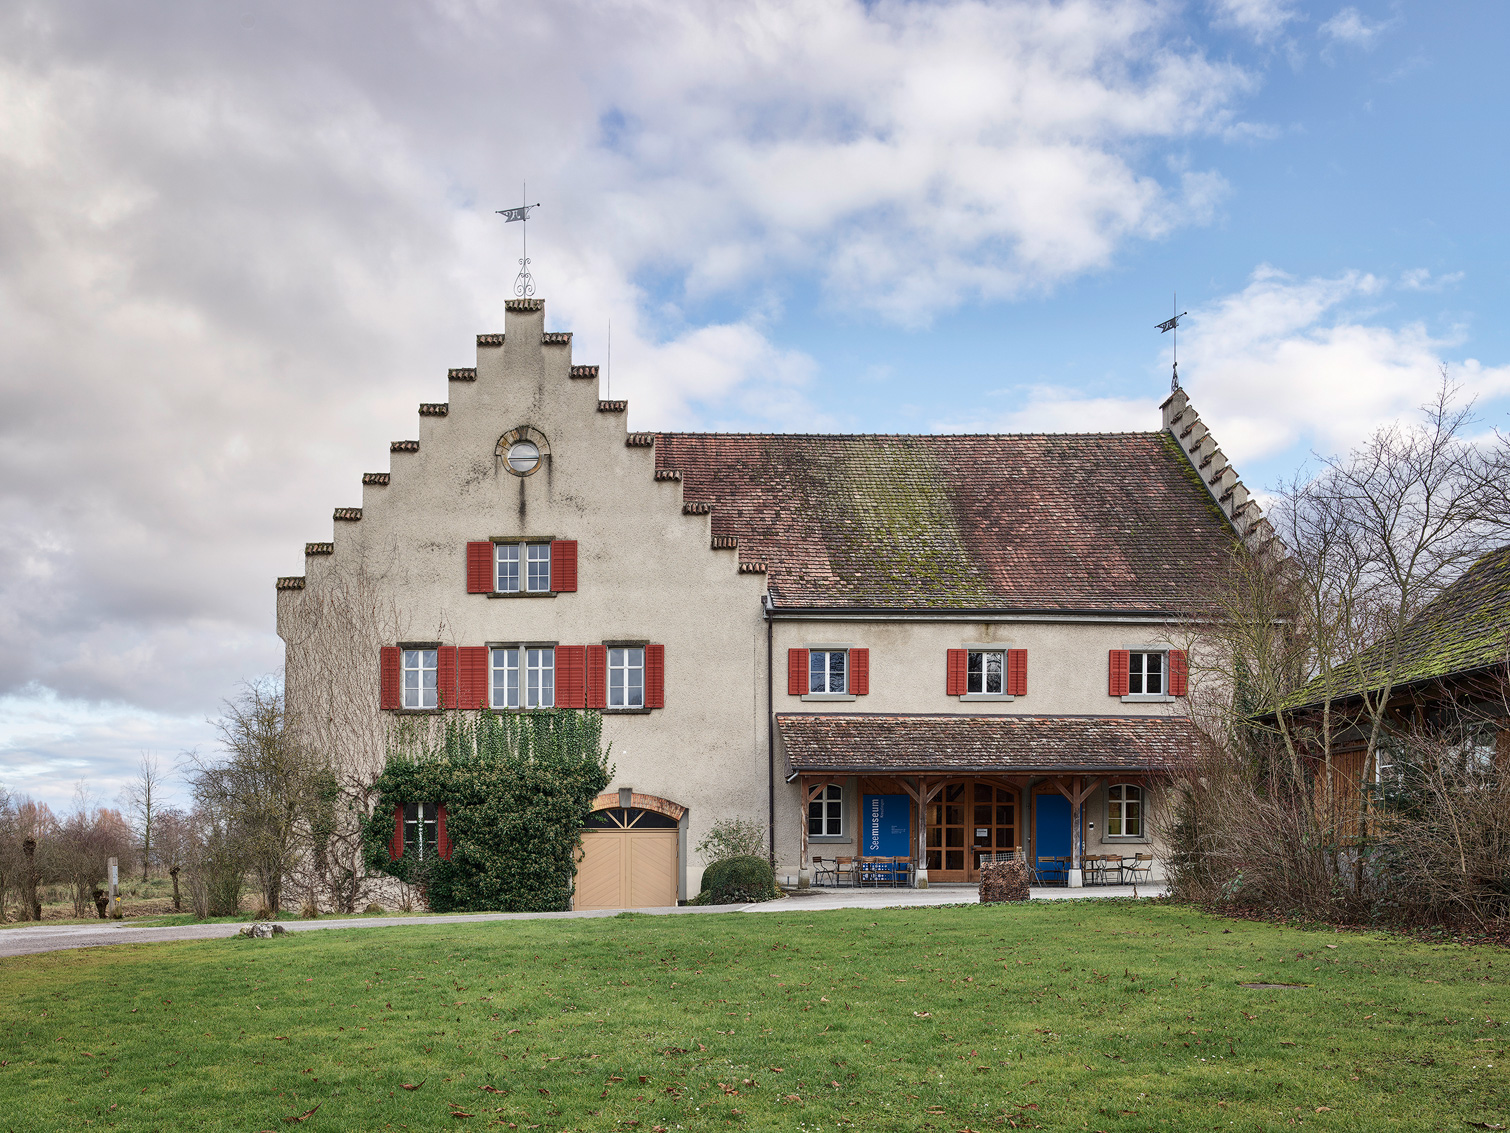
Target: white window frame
(419, 664)
(529, 567)
(830, 817)
(1116, 807)
(827, 652)
(1144, 651)
(625, 676)
(533, 672)
(978, 648)
(424, 815)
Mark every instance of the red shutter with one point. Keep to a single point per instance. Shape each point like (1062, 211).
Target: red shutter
(655, 676)
(1017, 672)
(472, 676)
(445, 677)
(396, 843)
(956, 682)
(564, 566)
(859, 671)
(389, 678)
(571, 676)
(442, 836)
(1117, 673)
(796, 672)
(1179, 672)
(480, 578)
(597, 676)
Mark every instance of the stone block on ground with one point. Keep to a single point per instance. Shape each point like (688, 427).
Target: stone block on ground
(262, 930)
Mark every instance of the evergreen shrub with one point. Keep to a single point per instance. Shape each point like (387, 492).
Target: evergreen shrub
(739, 880)
(517, 788)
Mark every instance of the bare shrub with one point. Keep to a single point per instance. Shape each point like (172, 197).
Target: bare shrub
(80, 848)
(733, 838)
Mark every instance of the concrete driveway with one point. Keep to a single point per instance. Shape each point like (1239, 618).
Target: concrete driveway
(23, 941)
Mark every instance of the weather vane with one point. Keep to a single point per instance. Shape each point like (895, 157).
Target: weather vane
(524, 282)
(1174, 325)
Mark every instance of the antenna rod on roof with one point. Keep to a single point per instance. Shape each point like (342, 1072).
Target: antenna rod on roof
(1174, 325)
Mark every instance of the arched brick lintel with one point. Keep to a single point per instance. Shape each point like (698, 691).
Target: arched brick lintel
(644, 802)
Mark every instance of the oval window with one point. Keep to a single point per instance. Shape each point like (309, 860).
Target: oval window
(524, 457)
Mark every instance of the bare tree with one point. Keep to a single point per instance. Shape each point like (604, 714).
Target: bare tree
(174, 839)
(11, 858)
(260, 790)
(81, 846)
(141, 799)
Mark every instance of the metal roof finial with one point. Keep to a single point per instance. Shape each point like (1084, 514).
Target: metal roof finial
(1174, 325)
(524, 282)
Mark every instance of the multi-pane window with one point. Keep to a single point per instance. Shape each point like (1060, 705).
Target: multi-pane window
(626, 678)
(986, 671)
(523, 677)
(1145, 674)
(522, 567)
(825, 812)
(419, 678)
(1124, 811)
(826, 670)
(420, 829)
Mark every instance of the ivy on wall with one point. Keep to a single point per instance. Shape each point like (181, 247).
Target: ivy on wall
(518, 789)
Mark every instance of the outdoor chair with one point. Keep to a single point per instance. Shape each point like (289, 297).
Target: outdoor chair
(1093, 867)
(901, 872)
(824, 870)
(1139, 867)
(845, 867)
(1053, 871)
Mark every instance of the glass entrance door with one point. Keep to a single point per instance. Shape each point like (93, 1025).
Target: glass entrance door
(969, 820)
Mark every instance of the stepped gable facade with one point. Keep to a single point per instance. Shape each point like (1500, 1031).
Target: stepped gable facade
(933, 650)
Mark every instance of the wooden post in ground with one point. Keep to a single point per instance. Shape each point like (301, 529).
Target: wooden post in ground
(29, 899)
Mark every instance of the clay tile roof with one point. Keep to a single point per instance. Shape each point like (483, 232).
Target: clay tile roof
(1110, 521)
(1465, 628)
(862, 744)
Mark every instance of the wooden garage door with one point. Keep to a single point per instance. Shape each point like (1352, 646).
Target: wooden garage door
(629, 861)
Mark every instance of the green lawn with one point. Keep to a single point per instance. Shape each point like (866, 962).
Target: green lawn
(1061, 1015)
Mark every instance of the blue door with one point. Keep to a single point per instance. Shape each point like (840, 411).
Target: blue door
(1051, 834)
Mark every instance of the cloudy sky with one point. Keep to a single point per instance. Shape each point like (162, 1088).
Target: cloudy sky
(240, 242)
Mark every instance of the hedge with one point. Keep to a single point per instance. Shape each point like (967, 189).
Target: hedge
(517, 789)
(739, 880)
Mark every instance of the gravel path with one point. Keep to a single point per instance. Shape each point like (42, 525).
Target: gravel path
(23, 941)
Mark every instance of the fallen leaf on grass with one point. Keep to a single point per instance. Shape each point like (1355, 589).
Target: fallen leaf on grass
(305, 1116)
(1285, 1042)
(413, 1086)
(492, 1089)
(923, 1014)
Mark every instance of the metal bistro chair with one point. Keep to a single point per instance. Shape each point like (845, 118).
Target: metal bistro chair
(876, 871)
(822, 869)
(843, 867)
(901, 872)
(1139, 867)
(1093, 867)
(1053, 871)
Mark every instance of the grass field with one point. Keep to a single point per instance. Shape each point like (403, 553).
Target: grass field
(1058, 1015)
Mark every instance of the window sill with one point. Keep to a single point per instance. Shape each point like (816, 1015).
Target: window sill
(1121, 840)
(829, 840)
(524, 594)
(990, 697)
(838, 697)
(626, 711)
(1147, 698)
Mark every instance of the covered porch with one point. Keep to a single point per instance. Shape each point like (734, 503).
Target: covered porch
(919, 800)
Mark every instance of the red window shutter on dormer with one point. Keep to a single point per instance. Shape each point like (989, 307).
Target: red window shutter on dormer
(571, 676)
(597, 676)
(471, 676)
(480, 578)
(564, 566)
(955, 682)
(442, 835)
(796, 672)
(445, 677)
(655, 676)
(1179, 672)
(396, 843)
(859, 672)
(1117, 673)
(389, 678)
(1017, 672)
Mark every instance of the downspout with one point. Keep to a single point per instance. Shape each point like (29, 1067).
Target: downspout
(770, 724)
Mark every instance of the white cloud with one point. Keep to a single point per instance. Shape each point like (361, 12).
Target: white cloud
(1261, 19)
(1312, 361)
(1349, 26)
(235, 254)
